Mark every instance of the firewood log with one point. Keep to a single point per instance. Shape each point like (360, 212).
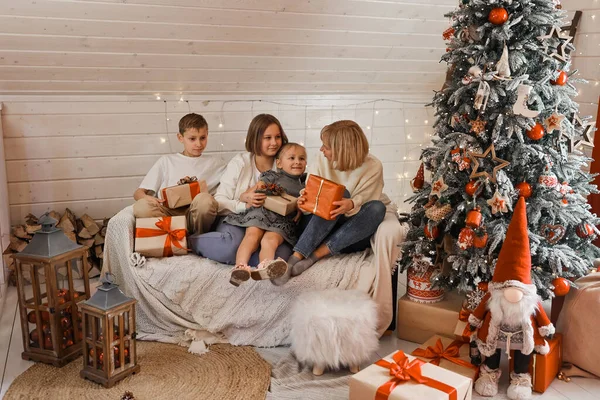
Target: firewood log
(17, 244)
(31, 229)
(98, 239)
(89, 223)
(84, 234)
(20, 232)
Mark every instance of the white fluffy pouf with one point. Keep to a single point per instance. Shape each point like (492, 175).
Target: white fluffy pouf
(333, 329)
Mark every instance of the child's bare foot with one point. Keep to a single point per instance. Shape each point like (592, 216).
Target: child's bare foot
(269, 269)
(239, 274)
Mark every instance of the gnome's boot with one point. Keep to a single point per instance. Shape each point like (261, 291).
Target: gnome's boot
(520, 386)
(487, 383)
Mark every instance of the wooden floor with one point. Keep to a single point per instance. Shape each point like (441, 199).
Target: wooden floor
(12, 365)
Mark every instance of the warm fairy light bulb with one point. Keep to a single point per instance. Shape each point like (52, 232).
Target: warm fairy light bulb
(368, 127)
(220, 125)
(157, 97)
(406, 121)
(163, 140)
(376, 111)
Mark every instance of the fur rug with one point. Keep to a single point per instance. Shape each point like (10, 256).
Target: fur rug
(334, 328)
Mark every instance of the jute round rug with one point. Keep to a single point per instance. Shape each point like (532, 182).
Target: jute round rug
(167, 371)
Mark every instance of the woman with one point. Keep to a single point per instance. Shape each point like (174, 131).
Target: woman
(237, 191)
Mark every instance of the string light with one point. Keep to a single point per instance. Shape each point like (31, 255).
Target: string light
(157, 97)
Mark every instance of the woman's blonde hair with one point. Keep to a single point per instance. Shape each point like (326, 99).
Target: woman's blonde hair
(348, 144)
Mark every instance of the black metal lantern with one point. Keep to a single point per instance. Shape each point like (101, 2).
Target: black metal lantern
(109, 352)
(50, 322)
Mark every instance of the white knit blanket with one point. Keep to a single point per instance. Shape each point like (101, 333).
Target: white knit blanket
(182, 293)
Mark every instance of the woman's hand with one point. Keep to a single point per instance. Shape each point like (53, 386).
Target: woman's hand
(344, 205)
(153, 201)
(302, 198)
(251, 198)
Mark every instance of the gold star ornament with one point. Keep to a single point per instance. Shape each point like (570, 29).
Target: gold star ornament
(500, 164)
(478, 126)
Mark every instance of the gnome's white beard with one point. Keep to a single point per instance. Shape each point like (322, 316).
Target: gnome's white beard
(512, 314)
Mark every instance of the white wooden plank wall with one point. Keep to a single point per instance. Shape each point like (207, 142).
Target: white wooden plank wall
(91, 154)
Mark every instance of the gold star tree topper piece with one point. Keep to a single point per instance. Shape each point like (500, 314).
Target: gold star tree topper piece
(438, 187)
(498, 203)
(500, 164)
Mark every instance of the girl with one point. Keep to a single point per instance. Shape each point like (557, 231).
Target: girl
(346, 160)
(237, 189)
(266, 228)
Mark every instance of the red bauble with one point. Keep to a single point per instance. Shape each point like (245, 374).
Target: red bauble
(536, 133)
(524, 189)
(483, 286)
(561, 286)
(471, 187)
(498, 16)
(31, 317)
(34, 336)
(48, 342)
(561, 80)
(474, 218)
(480, 241)
(584, 230)
(433, 234)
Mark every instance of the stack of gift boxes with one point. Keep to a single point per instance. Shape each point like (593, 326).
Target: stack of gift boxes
(441, 368)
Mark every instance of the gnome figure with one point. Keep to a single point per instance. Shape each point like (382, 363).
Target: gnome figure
(510, 316)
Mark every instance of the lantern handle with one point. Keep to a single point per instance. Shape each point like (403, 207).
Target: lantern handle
(108, 279)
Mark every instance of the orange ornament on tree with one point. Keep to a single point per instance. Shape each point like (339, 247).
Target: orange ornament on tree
(524, 189)
(584, 230)
(536, 133)
(474, 218)
(465, 238)
(498, 16)
(480, 241)
(433, 233)
(561, 286)
(471, 187)
(561, 80)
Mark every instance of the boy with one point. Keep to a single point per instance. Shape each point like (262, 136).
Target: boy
(169, 169)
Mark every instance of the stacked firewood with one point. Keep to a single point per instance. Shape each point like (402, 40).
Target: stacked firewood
(85, 231)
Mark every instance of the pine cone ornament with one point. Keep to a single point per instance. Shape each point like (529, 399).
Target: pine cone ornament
(438, 212)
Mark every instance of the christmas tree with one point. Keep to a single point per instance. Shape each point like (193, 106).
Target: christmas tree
(506, 126)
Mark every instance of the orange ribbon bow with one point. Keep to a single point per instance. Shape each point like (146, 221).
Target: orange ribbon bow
(174, 237)
(450, 353)
(403, 370)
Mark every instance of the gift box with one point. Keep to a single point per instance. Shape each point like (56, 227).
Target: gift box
(449, 354)
(182, 195)
(320, 194)
(161, 237)
(544, 368)
(402, 377)
(417, 322)
(282, 205)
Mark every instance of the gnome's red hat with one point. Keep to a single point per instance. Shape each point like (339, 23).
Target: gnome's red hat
(513, 267)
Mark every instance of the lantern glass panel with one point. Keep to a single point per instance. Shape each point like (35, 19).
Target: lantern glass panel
(36, 307)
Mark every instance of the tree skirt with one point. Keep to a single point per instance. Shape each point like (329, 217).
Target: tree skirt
(167, 372)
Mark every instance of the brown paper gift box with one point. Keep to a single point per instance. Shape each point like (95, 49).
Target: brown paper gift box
(161, 236)
(469, 371)
(182, 195)
(320, 195)
(544, 368)
(417, 322)
(364, 384)
(282, 205)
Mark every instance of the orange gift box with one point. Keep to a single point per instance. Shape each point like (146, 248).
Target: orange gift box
(161, 237)
(320, 194)
(403, 377)
(449, 354)
(182, 195)
(544, 368)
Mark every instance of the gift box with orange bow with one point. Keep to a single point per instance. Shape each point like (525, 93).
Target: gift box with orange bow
(161, 237)
(404, 377)
(183, 193)
(449, 354)
(320, 194)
